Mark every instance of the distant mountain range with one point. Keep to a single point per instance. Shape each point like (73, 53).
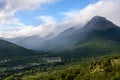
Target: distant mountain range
(68, 37)
(97, 27)
(98, 35)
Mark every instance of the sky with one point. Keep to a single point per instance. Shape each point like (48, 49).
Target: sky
(20, 18)
(54, 10)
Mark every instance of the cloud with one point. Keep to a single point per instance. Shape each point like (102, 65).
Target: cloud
(48, 26)
(25, 31)
(46, 19)
(9, 7)
(2, 4)
(107, 8)
(12, 27)
(27, 4)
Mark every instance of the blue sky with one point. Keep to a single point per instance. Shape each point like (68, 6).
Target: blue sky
(28, 17)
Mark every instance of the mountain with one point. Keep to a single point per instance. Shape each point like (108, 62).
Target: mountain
(78, 39)
(97, 27)
(14, 58)
(98, 23)
(14, 55)
(30, 42)
(10, 49)
(27, 42)
(98, 37)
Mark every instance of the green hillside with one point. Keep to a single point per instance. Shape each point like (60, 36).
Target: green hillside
(105, 68)
(14, 59)
(92, 48)
(10, 49)
(98, 47)
(79, 57)
(13, 55)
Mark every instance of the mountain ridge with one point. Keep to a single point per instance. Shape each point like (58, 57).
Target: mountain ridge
(96, 27)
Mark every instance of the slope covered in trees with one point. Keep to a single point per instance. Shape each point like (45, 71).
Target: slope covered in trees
(104, 68)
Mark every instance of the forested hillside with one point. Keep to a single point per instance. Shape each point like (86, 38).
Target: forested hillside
(104, 68)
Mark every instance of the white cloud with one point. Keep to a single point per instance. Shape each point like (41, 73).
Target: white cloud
(47, 19)
(27, 4)
(107, 8)
(42, 30)
(9, 7)
(48, 26)
(12, 27)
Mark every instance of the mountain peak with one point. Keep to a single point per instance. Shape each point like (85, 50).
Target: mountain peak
(98, 23)
(98, 18)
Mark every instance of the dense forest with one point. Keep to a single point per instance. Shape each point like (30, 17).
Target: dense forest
(102, 68)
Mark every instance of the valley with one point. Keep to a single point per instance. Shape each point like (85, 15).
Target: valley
(86, 53)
